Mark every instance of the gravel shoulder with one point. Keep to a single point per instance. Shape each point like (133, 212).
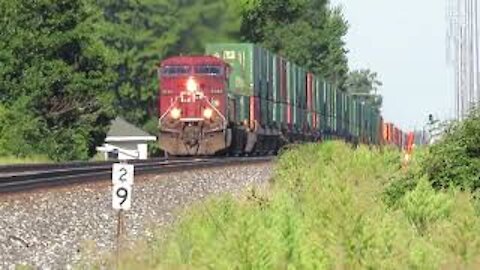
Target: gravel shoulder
(51, 229)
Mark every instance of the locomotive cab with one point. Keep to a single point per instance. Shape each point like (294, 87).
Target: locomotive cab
(192, 105)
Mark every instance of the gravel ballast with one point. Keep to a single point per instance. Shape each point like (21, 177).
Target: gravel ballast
(51, 229)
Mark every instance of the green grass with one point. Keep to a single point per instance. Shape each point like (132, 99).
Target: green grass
(27, 160)
(329, 207)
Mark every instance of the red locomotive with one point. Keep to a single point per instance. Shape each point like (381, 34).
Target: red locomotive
(192, 105)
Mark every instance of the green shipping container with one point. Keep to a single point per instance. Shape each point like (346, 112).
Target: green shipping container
(270, 121)
(371, 123)
(319, 105)
(365, 120)
(302, 88)
(270, 78)
(334, 104)
(277, 113)
(242, 108)
(276, 79)
(331, 110)
(356, 118)
(278, 66)
(324, 107)
(301, 97)
(351, 116)
(249, 64)
(264, 111)
(339, 110)
(291, 83)
(262, 66)
(359, 119)
(291, 86)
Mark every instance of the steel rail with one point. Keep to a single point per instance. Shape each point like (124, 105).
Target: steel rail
(46, 177)
(14, 168)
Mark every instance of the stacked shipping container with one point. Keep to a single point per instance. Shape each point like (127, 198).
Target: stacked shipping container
(392, 135)
(276, 93)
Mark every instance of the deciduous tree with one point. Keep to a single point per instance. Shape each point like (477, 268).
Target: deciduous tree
(55, 77)
(309, 32)
(364, 84)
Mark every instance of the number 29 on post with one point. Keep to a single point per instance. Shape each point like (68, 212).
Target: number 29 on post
(122, 180)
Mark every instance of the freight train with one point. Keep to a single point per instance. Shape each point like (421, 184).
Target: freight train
(242, 99)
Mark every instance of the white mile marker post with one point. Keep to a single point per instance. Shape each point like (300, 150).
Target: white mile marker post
(122, 180)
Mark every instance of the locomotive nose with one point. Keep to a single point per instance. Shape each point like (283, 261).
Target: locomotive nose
(191, 135)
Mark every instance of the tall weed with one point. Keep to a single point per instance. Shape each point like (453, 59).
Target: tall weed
(424, 206)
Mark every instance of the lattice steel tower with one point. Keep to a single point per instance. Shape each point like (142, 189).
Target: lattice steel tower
(463, 53)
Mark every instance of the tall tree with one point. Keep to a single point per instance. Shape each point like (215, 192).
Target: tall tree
(309, 32)
(146, 31)
(56, 73)
(365, 85)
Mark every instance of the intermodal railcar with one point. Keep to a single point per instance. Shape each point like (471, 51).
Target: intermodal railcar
(240, 98)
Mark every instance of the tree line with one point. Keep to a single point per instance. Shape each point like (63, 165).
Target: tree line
(67, 67)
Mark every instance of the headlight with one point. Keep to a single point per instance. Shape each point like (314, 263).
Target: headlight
(215, 103)
(207, 113)
(192, 85)
(175, 113)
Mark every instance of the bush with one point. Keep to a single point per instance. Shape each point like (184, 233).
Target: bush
(424, 206)
(455, 160)
(18, 130)
(402, 183)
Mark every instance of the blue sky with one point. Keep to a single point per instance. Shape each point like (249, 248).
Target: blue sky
(404, 41)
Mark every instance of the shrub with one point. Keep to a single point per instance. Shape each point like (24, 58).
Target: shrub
(424, 206)
(402, 183)
(18, 130)
(454, 161)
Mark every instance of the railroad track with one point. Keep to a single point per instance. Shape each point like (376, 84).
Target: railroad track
(19, 178)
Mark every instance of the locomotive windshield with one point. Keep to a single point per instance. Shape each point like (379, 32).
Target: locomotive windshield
(208, 70)
(175, 70)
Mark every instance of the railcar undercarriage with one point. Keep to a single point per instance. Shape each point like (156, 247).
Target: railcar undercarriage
(194, 139)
